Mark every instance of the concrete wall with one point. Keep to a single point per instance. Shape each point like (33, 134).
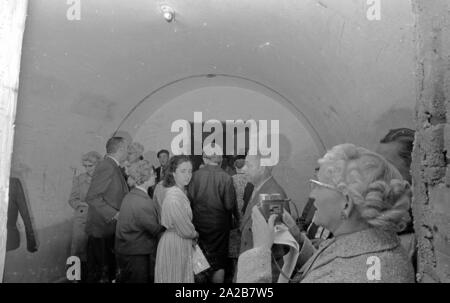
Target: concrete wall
(12, 26)
(341, 77)
(431, 168)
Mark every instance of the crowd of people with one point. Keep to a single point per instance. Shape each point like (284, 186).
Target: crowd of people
(136, 223)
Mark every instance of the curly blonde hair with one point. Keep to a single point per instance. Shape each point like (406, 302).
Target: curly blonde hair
(92, 157)
(381, 196)
(136, 148)
(139, 172)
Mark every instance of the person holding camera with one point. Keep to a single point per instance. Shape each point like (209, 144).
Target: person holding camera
(264, 183)
(364, 201)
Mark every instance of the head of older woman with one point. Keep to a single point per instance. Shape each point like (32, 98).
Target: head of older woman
(359, 189)
(141, 174)
(135, 152)
(89, 161)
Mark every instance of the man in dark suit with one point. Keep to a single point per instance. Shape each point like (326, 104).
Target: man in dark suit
(104, 197)
(264, 183)
(163, 157)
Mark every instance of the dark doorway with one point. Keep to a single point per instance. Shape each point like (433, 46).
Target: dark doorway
(228, 158)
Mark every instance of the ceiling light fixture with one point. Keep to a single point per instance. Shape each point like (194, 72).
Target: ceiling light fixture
(168, 13)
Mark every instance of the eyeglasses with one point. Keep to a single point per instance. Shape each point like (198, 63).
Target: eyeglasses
(314, 183)
(88, 165)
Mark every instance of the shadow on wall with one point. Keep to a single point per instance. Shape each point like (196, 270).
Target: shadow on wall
(48, 264)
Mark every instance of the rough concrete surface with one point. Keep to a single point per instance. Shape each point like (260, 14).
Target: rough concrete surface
(431, 205)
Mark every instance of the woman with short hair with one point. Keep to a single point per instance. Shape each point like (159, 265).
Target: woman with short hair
(138, 227)
(174, 257)
(135, 153)
(364, 201)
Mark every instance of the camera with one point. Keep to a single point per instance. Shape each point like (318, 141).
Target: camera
(270, 204)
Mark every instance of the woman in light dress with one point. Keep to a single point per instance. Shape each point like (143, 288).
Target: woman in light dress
(174, 255)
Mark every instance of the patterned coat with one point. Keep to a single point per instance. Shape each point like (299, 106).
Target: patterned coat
(371, 255)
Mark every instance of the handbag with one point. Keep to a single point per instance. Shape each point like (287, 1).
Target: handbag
(199, 260)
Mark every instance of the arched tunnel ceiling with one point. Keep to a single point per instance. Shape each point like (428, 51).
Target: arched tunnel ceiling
(137, 116)
(340, 69)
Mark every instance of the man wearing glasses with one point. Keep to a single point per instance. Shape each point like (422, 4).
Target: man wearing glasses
(264, 183)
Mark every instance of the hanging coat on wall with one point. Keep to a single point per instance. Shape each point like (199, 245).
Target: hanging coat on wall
(18, 204)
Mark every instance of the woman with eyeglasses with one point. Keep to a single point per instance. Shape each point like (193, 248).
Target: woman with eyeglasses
(364, 201)
(77, 201)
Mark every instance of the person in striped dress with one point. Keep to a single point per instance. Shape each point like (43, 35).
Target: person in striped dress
(174, 255)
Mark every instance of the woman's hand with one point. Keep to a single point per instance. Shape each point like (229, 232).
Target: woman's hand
(293, 228)
(316, 242)
(263, 232)
(194, 242)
